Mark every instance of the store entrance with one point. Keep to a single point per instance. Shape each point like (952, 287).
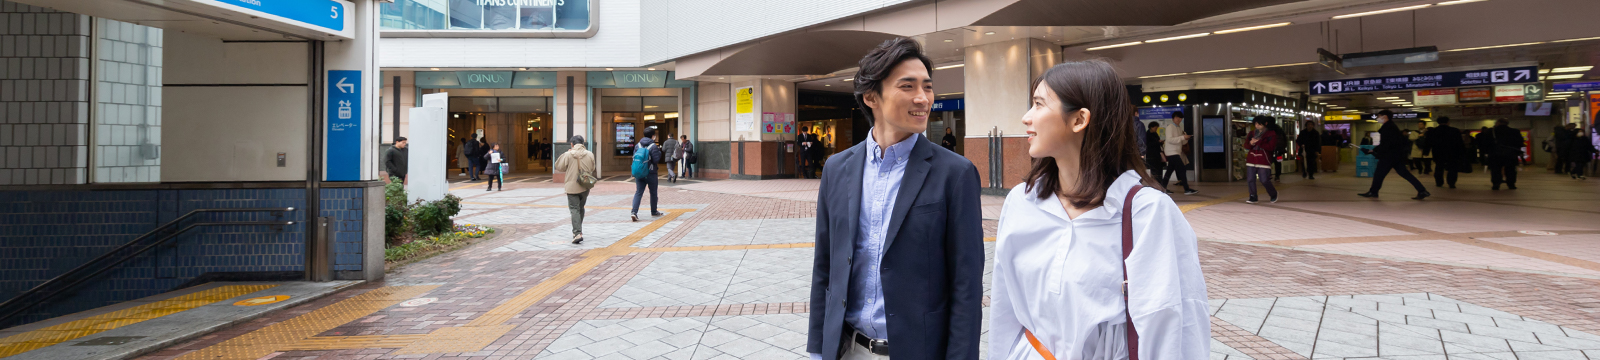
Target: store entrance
(623, 120)
(520, 125)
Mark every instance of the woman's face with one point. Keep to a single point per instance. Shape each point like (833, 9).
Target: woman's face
(1052, 133)
(1259, 127)
(497, 146)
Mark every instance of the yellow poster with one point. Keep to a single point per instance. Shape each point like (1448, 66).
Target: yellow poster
(744, 100)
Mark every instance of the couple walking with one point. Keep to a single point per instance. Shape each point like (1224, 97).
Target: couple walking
(1092, 260)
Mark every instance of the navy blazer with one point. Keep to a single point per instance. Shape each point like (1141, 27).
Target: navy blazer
(932, 269)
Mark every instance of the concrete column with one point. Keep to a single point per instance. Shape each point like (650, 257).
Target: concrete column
(408, 100)
(998, 80)
(752, 154)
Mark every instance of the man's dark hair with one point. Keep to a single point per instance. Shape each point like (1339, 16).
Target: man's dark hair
(1262, 119)
(649, 132)
(1444, 120)
(1386, 112)
(1178, 115)
(576, 139)
(399, 139)
(1154, 124)
(875, 68)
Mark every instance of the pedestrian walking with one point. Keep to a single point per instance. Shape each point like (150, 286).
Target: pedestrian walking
(1448, 153)
(646, 160)
(578, 166)
(806, 141)
(461, 158)
(1259, 145)
(670, 148)
(1508, 144)
(930, 232)
(474, 151)
(1579, 152)
(682, 156)
(394, 160)
(1421, 154)
(1177, 162)
(1153, 159)
(1279, 150)
(1089, 262)
(1309, 143)
(496, 163)
(1485, 142)
(1393, 146)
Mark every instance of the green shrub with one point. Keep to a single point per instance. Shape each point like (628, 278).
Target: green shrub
(433, 217)
(395, 222)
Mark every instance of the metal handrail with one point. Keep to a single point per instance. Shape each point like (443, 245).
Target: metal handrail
(72, 278)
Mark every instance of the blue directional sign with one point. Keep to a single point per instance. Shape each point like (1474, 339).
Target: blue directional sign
(1511, 75)
(1582, 86)
(343, 157)
(949, 105)
(326, 14)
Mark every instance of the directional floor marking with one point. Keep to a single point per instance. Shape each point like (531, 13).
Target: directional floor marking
(33, 340)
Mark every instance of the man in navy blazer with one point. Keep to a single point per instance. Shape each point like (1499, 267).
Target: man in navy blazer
(899, 257)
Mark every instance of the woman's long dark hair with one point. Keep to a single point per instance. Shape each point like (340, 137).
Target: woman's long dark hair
(1111, 142)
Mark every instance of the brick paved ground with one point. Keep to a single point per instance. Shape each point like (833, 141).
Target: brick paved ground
(1320, 274)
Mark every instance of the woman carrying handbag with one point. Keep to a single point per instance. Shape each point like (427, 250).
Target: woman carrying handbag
(1093, 262)
(496, 168)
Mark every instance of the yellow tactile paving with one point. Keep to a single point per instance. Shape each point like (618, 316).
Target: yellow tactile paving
(564, 206)
(456, 339)
(289, 333)
(32, 340)
(355, 342)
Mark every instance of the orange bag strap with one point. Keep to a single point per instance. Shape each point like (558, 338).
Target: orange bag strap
(1037, 346)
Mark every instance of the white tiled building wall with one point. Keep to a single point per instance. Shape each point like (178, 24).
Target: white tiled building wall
(43, 95)
(128, 110)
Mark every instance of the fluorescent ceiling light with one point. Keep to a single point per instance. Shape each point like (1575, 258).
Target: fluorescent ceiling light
(1413, 7)
(1563, 77)
(1258, 27)
(1114, 46)
(1282, 65)
(1579, 39)
(1572, 69)
(1190, 36)
(848, 79)
(948, 94)
(1496, 46)
(989, 33)
(949, 66)
(609, 69)
(1156, 76)
(1457, 2)
(1544, 71)
(1215, 71)
(1388, 97)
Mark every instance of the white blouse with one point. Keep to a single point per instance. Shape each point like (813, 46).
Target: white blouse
(1061, 278)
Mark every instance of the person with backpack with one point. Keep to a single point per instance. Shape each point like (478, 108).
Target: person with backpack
(578, 165)
(646, 158)
(1393, 146)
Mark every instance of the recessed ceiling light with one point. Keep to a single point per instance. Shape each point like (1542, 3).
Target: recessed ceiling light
(433, 68)
(524, 69)
(1496, 46)
(1385, 11)
(1156, 76)
(1216, 71)
(651, 69)
(609, 69)
(1114, 46)
(1190, 36)
(1282, 65)
(1388, 97)
(949, 66)
(1258, 27)
(989, 33)
(1457, 2)
(1571, 69)
(949, 40)
(1544, 71)
(827, 84)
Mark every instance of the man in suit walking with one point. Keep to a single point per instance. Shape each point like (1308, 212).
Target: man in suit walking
(910, 210)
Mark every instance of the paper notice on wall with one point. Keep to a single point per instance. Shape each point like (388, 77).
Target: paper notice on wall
(744, 122)
(744, 105)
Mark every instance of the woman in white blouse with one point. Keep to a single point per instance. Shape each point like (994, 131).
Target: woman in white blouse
(1059, 264)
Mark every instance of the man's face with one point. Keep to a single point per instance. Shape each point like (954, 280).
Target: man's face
(905, 98)
(401, 144)
(1177, 120)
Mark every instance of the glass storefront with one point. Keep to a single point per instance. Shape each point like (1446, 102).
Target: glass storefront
(570, 15)
(630, 115)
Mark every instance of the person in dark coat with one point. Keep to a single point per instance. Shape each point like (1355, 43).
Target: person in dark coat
(1580, 150)
(1392, 149)
(1485, 142)
(1310, 144)
(1445, 142)
(1153, 159)
(474, 157)
(1506, 155)
(949, 140)
(395, 159)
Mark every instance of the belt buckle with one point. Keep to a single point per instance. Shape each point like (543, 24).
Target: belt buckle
(880, 347)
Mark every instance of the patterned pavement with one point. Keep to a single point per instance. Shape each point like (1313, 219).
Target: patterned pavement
(1468, 274)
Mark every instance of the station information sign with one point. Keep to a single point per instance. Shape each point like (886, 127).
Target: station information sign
(1475, 94)
(1509, 75)
(1580, 86)
(1435, 97)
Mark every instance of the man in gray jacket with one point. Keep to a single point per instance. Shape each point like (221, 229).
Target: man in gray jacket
(670, 148)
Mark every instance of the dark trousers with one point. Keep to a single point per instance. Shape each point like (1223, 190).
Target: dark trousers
(1444, 171)
(575, 204)
(1155, 166)
(1423, 165)
(1277, 170)
(1252, 174)
(1175, 165)
(640, 184)
(1310, 171)
(1383, 171)
(475, 167)
(494, 174)
(1559, 161)
(1503, 171)
(1576, 167)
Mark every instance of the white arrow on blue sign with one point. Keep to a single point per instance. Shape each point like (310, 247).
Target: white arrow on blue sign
(1499, 76)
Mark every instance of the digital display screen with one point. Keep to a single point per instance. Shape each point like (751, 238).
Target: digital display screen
(1214, 134)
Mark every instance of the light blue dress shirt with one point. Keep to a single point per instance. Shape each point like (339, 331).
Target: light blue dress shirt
(880, 185)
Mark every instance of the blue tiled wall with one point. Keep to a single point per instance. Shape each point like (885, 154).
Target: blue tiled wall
(46, 233)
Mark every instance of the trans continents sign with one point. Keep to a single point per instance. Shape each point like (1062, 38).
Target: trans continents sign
(1509, 75)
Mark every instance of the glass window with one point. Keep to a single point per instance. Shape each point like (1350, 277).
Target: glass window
(474, 104)
(569, 15)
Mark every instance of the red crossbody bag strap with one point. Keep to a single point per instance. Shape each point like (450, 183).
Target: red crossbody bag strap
(1127, 248)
